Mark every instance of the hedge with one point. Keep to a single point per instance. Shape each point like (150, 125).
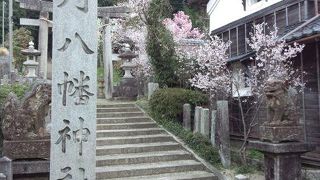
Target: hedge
(168, 103)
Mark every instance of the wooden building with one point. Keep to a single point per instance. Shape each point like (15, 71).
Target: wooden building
(297, 21)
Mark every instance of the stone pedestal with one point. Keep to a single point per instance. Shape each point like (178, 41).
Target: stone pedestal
(277, 134)
(282, 161)
(27, 149)
(127, 90)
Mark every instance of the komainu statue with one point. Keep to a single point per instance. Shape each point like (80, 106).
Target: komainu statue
(25, 119)
(281, 104)
(282, 123)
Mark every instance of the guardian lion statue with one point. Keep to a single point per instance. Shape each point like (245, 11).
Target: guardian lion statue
(281, 105)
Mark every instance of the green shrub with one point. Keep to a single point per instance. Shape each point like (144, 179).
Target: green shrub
(18, 89)
(168, 103)
(197, 142)
(245, 169)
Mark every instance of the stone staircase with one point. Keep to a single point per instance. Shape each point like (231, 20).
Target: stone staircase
(132, 146)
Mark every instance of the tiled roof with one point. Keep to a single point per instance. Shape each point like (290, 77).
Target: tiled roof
(307, 29)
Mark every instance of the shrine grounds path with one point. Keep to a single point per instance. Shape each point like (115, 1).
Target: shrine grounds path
(131, 146)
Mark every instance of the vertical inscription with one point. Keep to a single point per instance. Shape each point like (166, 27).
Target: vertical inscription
(73, 132)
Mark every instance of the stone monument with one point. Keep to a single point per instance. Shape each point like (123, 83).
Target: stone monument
(74, 89)
(281, 136)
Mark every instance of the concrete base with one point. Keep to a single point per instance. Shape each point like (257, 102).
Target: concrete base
(27, 149)
(277, 134)
(282, 161)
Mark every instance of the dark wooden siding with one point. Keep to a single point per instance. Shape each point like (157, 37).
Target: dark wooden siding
(293, 14)
(311, 9)
(241, 39)
(303, 11)
(269, 19)
(311, 97)
(281, 20)
(234, 44)
(249, 27)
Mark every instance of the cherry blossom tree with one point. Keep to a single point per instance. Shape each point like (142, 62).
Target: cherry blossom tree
(135, 29)
(186, 39)
(181, 27)
(211, 59)
(273, 59)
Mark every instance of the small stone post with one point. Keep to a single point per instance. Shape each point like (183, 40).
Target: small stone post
(152, 87)
(187, 116)
(224, 134)
(213, 127)
(197, 116)
(204, 125)
(6, 168)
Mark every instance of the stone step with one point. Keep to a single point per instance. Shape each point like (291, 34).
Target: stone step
(120, 114)
(117, 109)
(194, 175)
(122, 171)
(138, 158)
(129, 132)
(123, 120)
(140, 125)
(134, 139)
(116, 105)
(137, 148)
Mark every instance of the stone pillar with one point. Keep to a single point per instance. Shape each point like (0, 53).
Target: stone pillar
(282, 161)
(224, 134)
(74, 89)
(6, 168)
(43, 44)
(187, 116)
(204, 125)
(107, 60)
(213, 127)
(197, 116)
(152, 87)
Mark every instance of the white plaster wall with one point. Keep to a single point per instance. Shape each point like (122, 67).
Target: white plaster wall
(223, 12)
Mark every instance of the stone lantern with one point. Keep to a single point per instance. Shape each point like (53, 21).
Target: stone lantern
(31, 64)
(128, 65)
(128, 88)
